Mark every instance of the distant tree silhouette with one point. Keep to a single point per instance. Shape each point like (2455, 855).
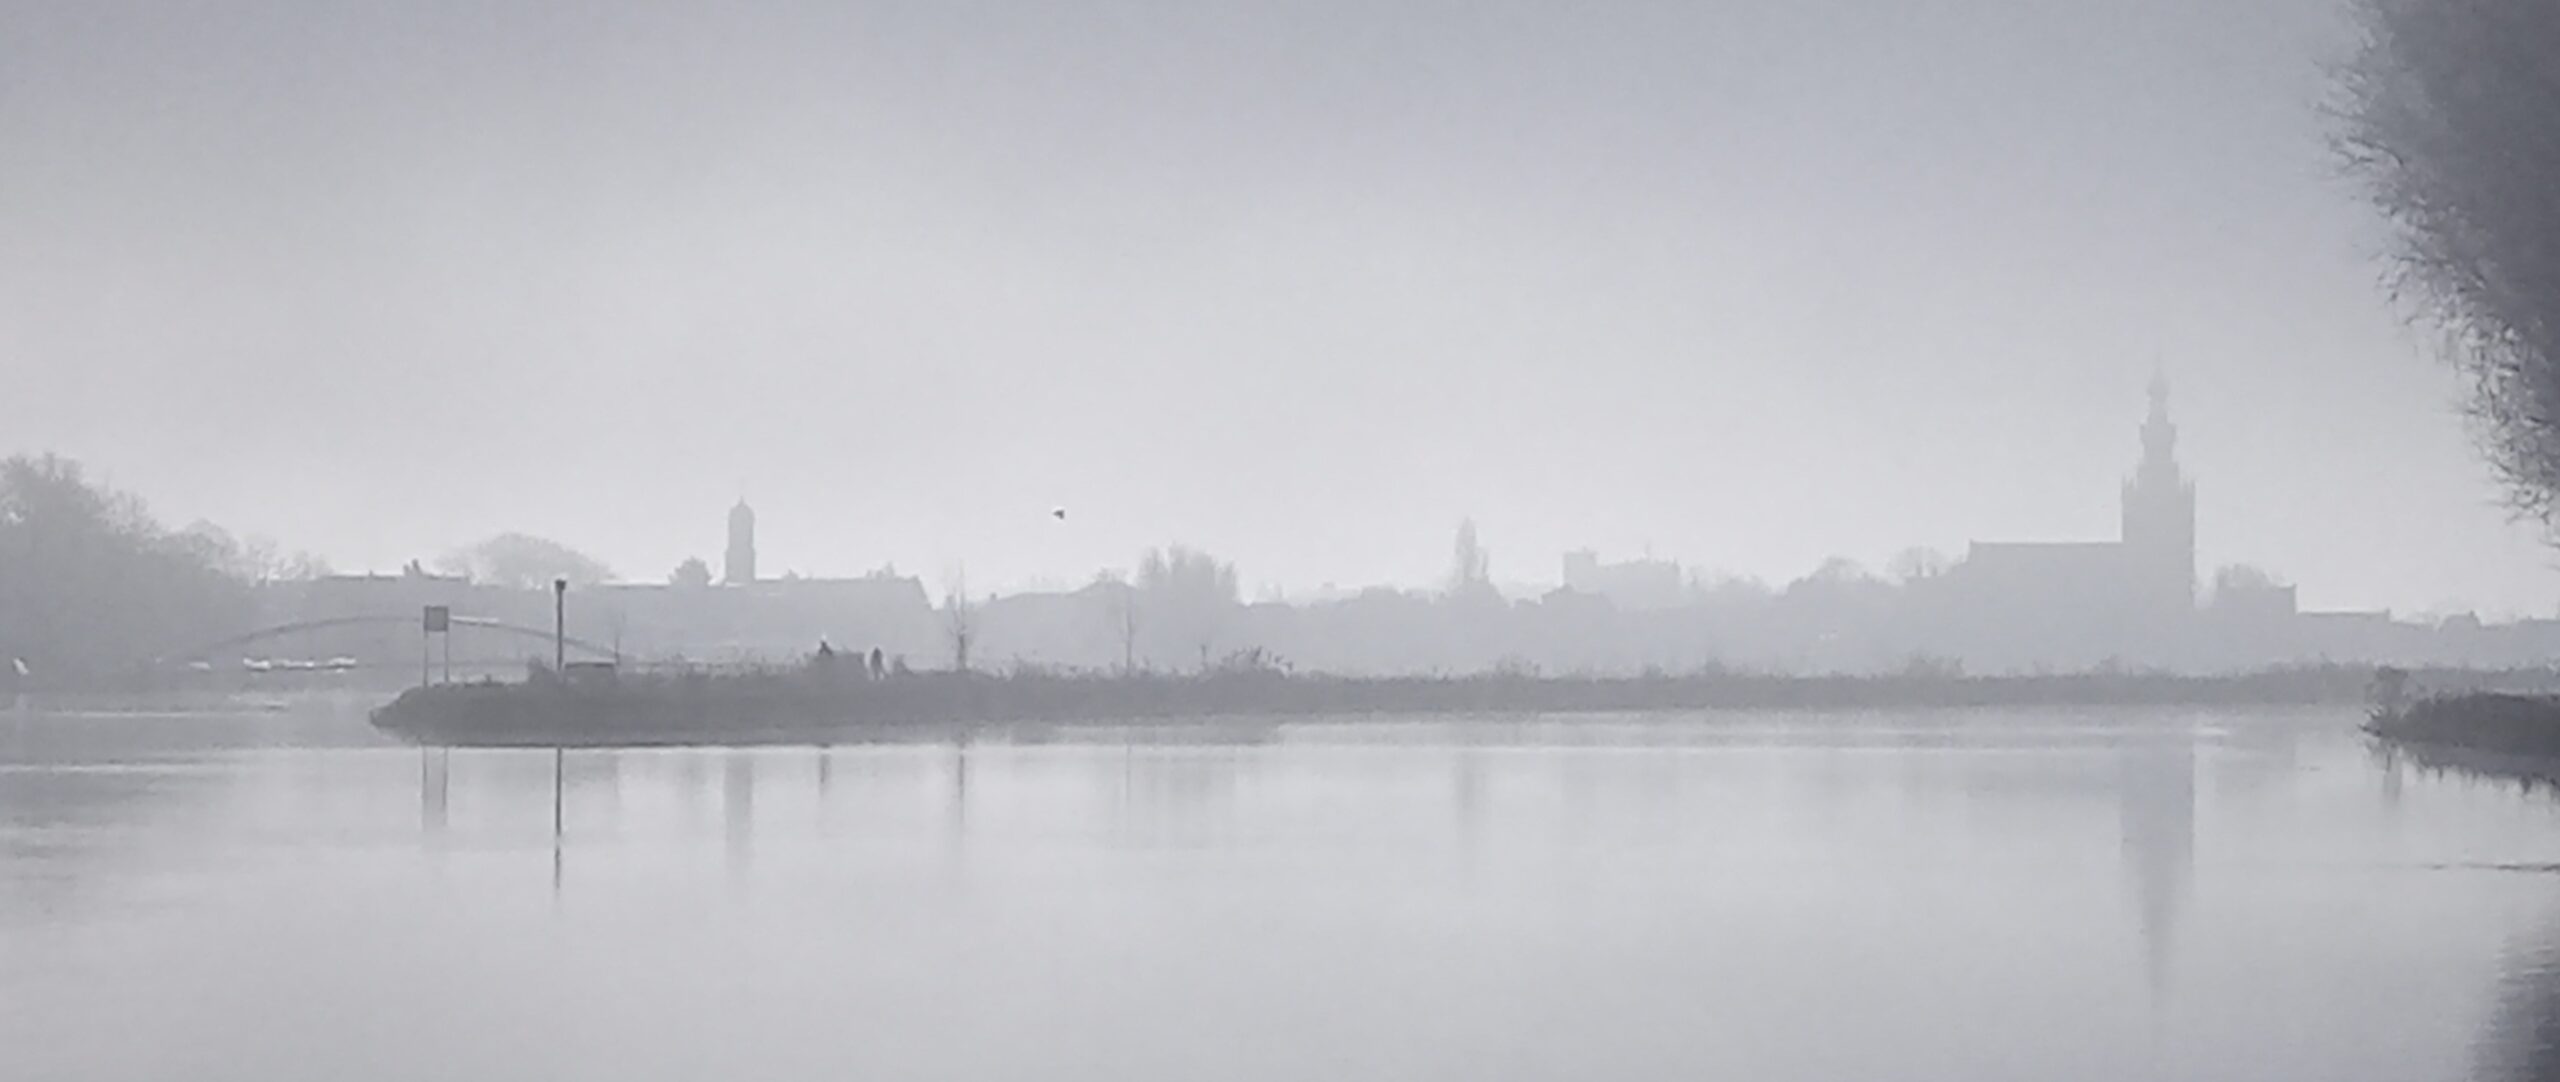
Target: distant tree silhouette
(91, 586)
(1190, 595)
(524, 562)
(2448, 119)
(254, 559)
(959, 620)
(1839, 596)
(1121, 604)
(1918, 565)
(1470, 566)
(2239, 581)
(692, 574)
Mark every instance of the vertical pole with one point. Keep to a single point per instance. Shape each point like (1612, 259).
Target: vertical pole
(559, 625)
(559, 774)
(426, 675)
(448, 656)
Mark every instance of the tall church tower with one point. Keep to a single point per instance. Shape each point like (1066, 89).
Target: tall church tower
(741, 569)
(2160, 512)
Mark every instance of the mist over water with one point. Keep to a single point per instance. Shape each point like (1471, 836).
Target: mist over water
(2028, 894)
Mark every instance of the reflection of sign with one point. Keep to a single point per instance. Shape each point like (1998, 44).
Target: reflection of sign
(439, 619)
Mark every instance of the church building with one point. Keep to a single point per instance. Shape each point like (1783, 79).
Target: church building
(2068, 605)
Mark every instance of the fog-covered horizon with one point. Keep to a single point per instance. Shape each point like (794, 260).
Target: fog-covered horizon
(1742, 284)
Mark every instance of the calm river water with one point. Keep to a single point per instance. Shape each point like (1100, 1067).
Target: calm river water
(268, 892)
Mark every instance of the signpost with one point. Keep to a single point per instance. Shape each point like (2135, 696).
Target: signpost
(438, 621)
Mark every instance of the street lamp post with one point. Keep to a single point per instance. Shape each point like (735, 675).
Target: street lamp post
(560, 626)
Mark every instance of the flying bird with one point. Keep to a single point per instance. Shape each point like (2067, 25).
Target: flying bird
(1058, 513)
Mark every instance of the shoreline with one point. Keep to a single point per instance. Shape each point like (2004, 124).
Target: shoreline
(819, 704)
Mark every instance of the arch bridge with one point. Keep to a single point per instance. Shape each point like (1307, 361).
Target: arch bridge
(591, 651)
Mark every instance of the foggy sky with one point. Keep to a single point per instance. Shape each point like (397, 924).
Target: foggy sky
(1750, 282)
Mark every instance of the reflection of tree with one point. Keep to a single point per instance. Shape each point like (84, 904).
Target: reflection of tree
(1181, 794)
(62, 823)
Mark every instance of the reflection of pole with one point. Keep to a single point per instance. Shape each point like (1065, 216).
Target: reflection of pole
(559, 774)
(434, 770)
(559, 778)
(960, 782)
(738, 806)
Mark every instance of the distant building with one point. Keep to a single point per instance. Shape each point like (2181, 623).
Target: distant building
(741, 564)
(1631, 585)
(2265, 603)
(2023, 604)
(2159, 525)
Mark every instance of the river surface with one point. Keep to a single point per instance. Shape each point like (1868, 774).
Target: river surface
(267, 891)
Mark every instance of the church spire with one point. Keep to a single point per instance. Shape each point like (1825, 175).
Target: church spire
(2159, 434)
(2160, 507)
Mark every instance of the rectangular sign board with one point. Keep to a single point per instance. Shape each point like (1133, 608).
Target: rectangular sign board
(439, 619)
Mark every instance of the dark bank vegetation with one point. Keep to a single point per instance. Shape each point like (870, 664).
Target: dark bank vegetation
(808, 705)
(91, 585)
(2495, 723)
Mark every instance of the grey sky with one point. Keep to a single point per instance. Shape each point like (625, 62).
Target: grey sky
(1750, 282)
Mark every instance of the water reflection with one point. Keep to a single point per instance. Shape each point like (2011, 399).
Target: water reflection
(959, 789)
(1181, 796)
(2521, 1041)
(2157, 811)
(738, 809)
(80, 792)
(1466, 799)
(435, 791)
(2007, 896)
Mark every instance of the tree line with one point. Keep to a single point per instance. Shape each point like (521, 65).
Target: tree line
(93, 588)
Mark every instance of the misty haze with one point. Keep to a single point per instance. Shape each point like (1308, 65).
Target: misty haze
(1758, 539)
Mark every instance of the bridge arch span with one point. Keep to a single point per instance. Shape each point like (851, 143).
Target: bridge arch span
(577, 646)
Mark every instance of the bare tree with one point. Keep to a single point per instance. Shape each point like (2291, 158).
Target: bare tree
(1121, 599)
(2447, 118)
(960, 619)
(1470, 570)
